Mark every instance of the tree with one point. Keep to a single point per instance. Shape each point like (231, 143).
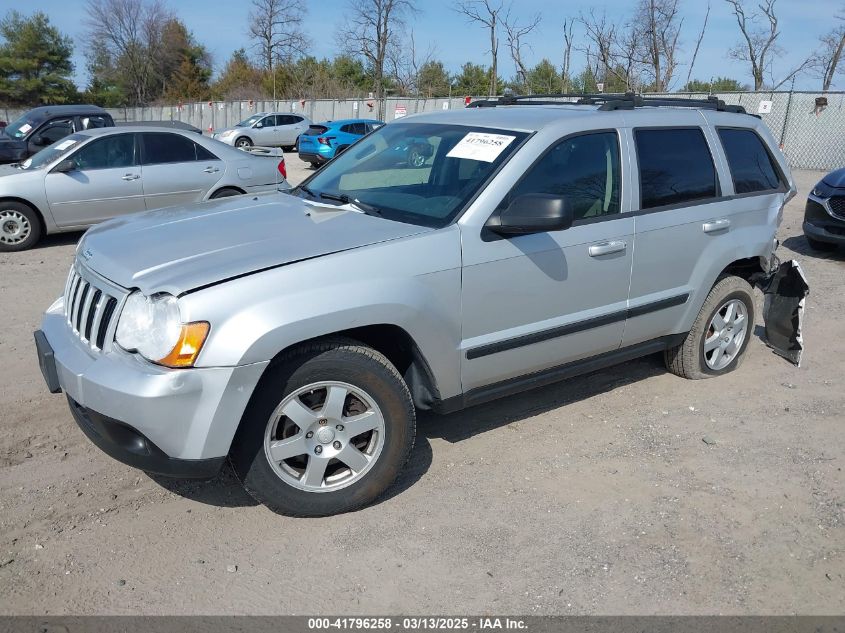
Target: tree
(567, 55)
(698, 43)
(35, 61)
(719, 84)
(515, 34)
(125, 38)
(544, 78)
(433, 80)
(654, 32)
(374, 27)
(239, 79)
(185, 65)
(276, 27)
(759, 46)
(487, 13)
(826, 60)
(474, 80)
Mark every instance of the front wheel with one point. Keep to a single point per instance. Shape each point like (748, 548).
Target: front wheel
(327, 431)
(243, 142)
(20, 227)
(717, 341)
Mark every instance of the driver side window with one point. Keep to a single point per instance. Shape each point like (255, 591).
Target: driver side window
(584, 169)
(56, 130)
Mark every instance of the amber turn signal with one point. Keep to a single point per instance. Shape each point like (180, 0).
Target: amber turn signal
(186, 350)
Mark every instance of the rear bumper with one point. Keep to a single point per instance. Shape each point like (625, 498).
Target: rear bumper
(313, 157)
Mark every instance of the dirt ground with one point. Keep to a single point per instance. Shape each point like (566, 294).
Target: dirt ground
(594, 496)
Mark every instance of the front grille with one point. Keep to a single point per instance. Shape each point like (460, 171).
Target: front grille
(837, 206)
(91, 308)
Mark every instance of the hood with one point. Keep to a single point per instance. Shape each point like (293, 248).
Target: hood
(835, 178)
(179, 249)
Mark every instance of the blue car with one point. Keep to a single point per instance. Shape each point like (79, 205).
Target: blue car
(322, 141)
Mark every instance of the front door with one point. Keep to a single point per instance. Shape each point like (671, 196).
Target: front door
(533, 302)
(106, 183)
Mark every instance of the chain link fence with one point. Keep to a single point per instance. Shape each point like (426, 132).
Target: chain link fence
(811, 136)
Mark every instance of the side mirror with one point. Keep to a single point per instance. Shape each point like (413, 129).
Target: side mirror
(534, 213)
(39, 140)
(65, 166)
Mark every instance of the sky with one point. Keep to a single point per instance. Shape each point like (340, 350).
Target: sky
(221, 27)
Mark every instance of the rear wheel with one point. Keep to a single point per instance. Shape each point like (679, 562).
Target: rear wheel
(226, 192)
(816, 245)
(20, 226)
(243, 142)
(719, 337)
(315, 165)
(327, 431)
(415, 158)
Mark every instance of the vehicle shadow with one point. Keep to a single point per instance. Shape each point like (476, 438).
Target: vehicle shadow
(58, 239)
(798, 244)
(465, 424)
(225, 490)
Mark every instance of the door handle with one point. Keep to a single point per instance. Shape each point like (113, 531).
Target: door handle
(130, 177)
(607, 248)
(211, 170)
(716, 225)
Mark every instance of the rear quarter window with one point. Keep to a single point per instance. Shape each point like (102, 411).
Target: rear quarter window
(751, 164)
(675, 166)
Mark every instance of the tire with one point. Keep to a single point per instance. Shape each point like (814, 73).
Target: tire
(297, 386)
(225, 192)
(315, 165)
(415, 158)
(243, 141)
(20, 226)
(816, 245)
(691, 359)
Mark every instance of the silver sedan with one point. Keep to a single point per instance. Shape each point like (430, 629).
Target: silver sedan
(95, 175)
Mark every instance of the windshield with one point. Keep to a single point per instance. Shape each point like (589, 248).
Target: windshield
(55, 151)
(19, 128)
(420, 173)
(250, 121)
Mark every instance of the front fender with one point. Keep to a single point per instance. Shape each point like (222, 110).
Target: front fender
(412, 283)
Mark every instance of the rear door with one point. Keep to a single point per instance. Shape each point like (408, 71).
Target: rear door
(176, 169)
(681, 219)
(105, 184)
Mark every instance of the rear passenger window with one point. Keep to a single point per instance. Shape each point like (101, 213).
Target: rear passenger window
(584, 169)
(675, 167)
(752, 168)
(167, 148)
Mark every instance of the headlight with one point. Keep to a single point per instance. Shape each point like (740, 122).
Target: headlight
(152, 326)
(227, 133)
(822, 190)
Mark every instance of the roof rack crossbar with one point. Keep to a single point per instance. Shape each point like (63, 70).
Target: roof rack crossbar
(610, 101)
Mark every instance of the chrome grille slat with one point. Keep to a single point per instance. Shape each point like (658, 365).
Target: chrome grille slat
(837, 206)
(91, 307)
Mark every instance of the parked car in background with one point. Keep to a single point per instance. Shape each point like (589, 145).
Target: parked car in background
(322, 141)
(43, 126)
(268, 129)
(824, 214)
(95, 175)
(176, 125)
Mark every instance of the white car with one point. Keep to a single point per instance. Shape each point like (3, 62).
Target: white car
(94, 175)
(268, 129)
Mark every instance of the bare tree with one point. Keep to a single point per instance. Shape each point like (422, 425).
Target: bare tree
(404, 64)
(515, 34)
(698, 43)
(604, 44)
(130, 36)
(567, 55)
(276, 28)
(759, 45)
(374, 27)
(487, 13)
(656, 27)
(826, 60)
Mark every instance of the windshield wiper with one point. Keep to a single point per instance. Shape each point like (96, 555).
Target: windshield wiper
(307, 190)
(342, 197)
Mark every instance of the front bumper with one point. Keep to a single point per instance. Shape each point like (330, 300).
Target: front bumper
(147, 416)
(821, 223)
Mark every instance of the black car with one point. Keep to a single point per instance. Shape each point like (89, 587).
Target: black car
(43, 126)
(824, 215)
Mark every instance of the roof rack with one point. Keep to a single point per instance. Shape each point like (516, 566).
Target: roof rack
(610, 101)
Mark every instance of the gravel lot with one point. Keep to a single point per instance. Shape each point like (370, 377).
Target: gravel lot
(595, 496)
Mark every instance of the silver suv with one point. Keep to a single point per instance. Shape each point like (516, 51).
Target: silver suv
(296, 333)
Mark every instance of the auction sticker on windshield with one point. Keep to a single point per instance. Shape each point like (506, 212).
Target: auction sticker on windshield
(66, 144)
(481, 146)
